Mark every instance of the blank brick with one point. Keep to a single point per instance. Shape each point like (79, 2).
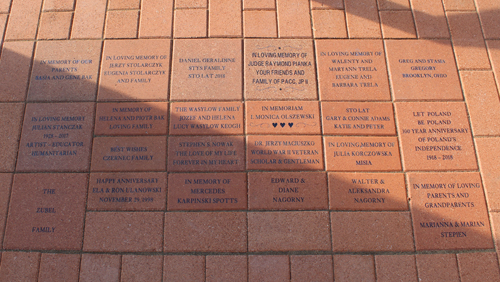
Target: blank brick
(59, 267)
(55, 25)
(260, 24)
(288, 231)
(362, 19)
(184, 268)
(268, 268)
(141, 268)
(468, 42)
(3, 24)
(225, 268)
(23, 19)
(494, 52)
(123, 232)
(259, 4)
(10, 128)
(58, 5)
(437, 267)
(327, 4)
(489, 13)
(430, 19)
(483, 102)
(495, 220)
(397, 24)
(393, 5)
(353, 268)
(396, 268)
(5, 5)
(205, 232)
(100, 268)
(375, 231)
(5, 184)
(18, 266)
(488, 153)
(191, 3)
(459, 5)
(88, 21)
(224, 18)
(329, 24)
(304, 268)
(190, 23)
(123, 4)
(478, 267)
(156, 18)
(293, 18)
(121, 24)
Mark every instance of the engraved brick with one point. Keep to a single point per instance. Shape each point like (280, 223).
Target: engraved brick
(351, 118)
(367, 191)
(208, 153)
(362, 154)
(352, 70)
(260, 23)
(65, 71)
(223, 268)
(430, 19)
(437, 267)
(97, 267)
(284, 152)
(318, 266)
(397, 24)
(279, 69)
(215, 75)
(55, 25)
(141, 268)
(388, 231)
(23, 19)
(123, 232)
(129, 153)
(156, 18)
(396, 268)
(205, 232)
(489, 13)
(282, 117)
(121, 24)
(287, 191)
(224, 18)
(416, 78)
(362, 18)
(59, 267)
(5, 184)
(46, 212)
(478, 267)
(190, 23)
(127, 191)
(58, 5)
(15, 63)
(435, 136)
(329, 23)
(10, 128)
(139, 118)
(353, 268)
(184, 268)
(293, 18)
(206, 118)
(268, 268)
(449, 211)
(56, 137)
(489, 161)
(481, 96)
(88, 21)
(19, 266)
(288, 231)
(202, 191)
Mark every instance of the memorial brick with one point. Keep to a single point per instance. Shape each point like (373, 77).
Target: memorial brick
(282, 117)
(362, 154)
(352, 70)
(206, 118)
(46, 212)
(127, 191)
(435, 136)
(129, 153)
(135, 70)
(138, 118)
(449, 211)
(206, 153)
(206, 69)
(56, 137)
(287, 191)
(65, 71)
(367, 191)
(268, 152)
(279, 69)
(207, 191)
(357, 118)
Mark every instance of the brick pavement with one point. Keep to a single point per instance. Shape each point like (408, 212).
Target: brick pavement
(255, 140)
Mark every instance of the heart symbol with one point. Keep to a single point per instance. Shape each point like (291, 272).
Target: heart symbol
(282, 124)
(275, 124)
(290, 124)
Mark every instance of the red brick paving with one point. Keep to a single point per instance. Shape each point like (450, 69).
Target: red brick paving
(225, 140)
